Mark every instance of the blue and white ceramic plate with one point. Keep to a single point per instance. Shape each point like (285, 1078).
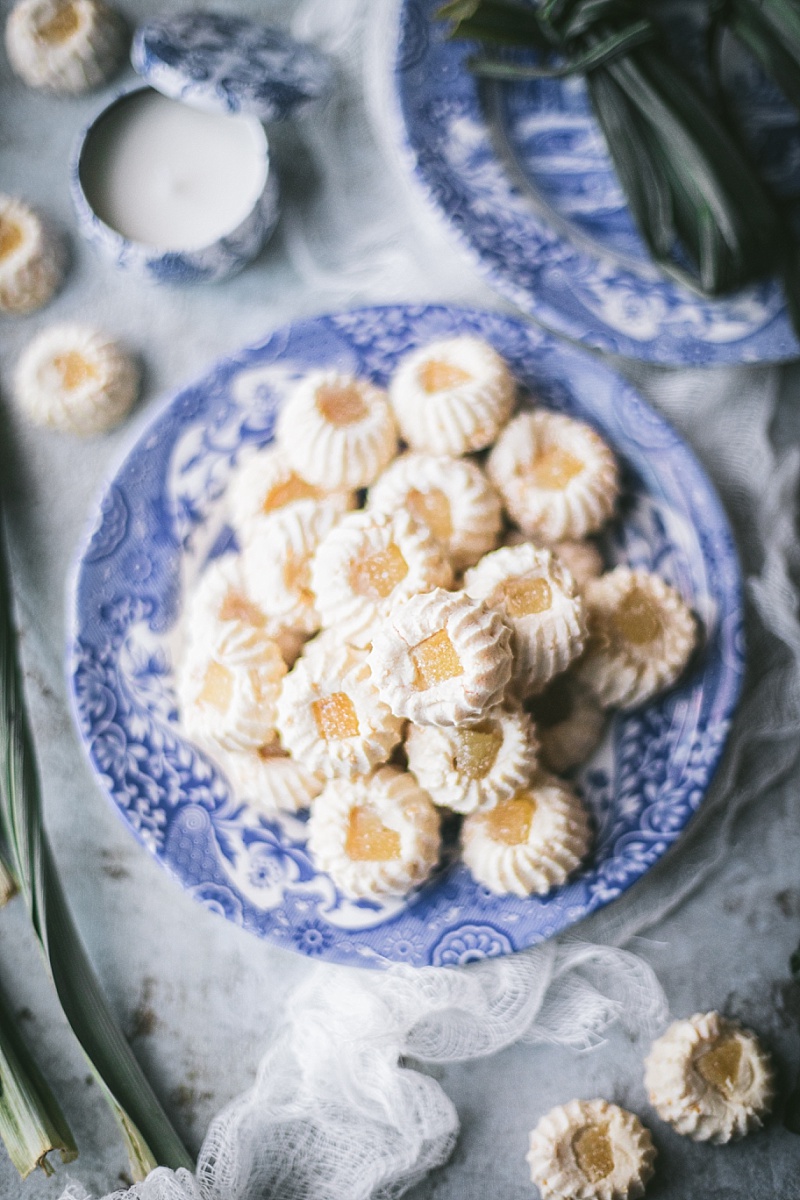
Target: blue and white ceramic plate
(162, 517)
(521, 175)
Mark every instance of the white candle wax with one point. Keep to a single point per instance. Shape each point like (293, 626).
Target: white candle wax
(170, 176)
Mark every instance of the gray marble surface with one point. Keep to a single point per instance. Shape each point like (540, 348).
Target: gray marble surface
(199, 998)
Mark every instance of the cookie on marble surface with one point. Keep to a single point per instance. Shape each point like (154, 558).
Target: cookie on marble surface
(369, 562)
(558, 479)
(452, 396)
(31, 258)
(710, 1079)
(537, 598)
(451, 496)
(337, 431)
(441, 659)
(530, 842)
(641, 636)
(65, 46)
(474, 766)
(375, 836)
(75, 379)
(591, 1150)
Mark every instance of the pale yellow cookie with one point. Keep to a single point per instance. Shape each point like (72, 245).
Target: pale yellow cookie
(710, 1079)
(330, 715)
(31, 258)
(270, 780)
(591, 1150)
(76, 380)
(537, 598)
(337, 431)
(582, 559)
(266, 484)
(641, 635)
(220, 598)
(441, 659)
(477, 765)
(452, 396)
(276, 563)
(451, 496)
(375, 836)
(557, 477)
(64, 46)
(368, 563)
(228, 689)
(529, 843)
(569, 723)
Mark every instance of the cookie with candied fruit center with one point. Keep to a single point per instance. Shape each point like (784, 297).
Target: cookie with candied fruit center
(591, 1150)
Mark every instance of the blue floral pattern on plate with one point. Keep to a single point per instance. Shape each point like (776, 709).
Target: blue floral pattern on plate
(521, 176)
(162, 517)
(226, 63)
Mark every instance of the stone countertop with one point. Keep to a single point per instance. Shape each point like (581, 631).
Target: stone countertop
(198, 997)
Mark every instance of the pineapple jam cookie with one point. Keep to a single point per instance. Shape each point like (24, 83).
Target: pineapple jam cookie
(530, 842)
(452, 396)
(375, 836)
(441, 659)
(709, 1078)
(76, 380)
(271, 780)
(569, 723)
(220, 598)
(368, 563)
(582, 559)
(64, 46)
(474, 766)
(537, 598)
(228, 689)
(641, 635)
(330, 715)
(451, 496)
(31, 258)
(267, 484)
(558, 478)
(276, 563)
(337, 431)
(591, 1150)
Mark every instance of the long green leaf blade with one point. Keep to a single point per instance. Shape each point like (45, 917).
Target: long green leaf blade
(149, 1135)
(32, 1124)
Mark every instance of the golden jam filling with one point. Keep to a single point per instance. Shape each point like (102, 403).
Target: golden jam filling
(526, 597)
(368, 839)
(287, 491)
(554, 468)
(236, 607)
(593, 1152)
(720, 1065)
(637, 618)
(11, 237)
(335, 716)
(64, 24)
(477, 750)
(510, 820)
(376, 577)
(341, 404)
(432, 508)
(217, 689)
(435, 660)
(436, 376)
(297, 577)
(74, 369)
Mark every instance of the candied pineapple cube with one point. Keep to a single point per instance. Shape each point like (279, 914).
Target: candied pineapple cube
(720, 1065)
(335, 716)
(594, 1153)
(554, 468)
(377, 576)
(368, 839)
(236, 607)
(217, 689)
(287, 491)
(525, 597)
(432, 508)
(435, 660)
(341, 403)
(510, 820)
(637, 618)
(64, 24)
(11, 238)
(477, 750)
(74, 369)
(437, 376)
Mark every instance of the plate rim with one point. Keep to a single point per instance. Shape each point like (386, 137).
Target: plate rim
(161, 407)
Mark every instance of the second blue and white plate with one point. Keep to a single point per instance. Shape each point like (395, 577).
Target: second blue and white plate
(162, 516)
(521, 175)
